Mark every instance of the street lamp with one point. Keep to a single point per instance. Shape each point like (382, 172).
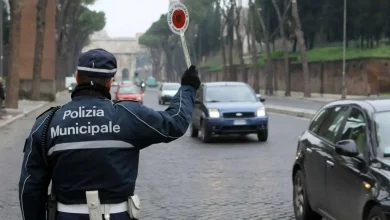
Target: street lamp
(344, 86)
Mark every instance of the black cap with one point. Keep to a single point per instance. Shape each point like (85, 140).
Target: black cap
(97, 63)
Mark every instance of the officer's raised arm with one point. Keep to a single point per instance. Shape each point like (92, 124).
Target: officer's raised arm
(34, 178)
(165, 126)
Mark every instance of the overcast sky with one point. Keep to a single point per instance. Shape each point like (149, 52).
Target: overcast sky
(127, 17)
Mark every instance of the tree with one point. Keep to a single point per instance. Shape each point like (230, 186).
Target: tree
(255, 66)
(6, 24)
(68, 11)
(152, 42)
(229, 19)
(281, 19)
(238, 24)
(16, 7)
(39, 45)
(302, 47)
(269, 85)
(86, 23)
(222, 38)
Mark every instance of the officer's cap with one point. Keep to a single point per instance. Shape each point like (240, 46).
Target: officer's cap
(97, 63)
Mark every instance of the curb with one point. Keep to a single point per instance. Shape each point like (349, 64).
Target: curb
(299, 99)
(302, 113)
(24, 114)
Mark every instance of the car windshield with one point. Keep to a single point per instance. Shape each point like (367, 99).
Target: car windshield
(240, 93)
(73, 85)
(382, 124)
(172, 87)
(129, 90)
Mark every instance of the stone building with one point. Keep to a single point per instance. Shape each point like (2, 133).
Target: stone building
(124, 50)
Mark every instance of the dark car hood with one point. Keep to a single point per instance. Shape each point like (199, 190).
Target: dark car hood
(234, 106)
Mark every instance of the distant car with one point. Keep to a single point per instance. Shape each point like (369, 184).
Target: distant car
(72, 87)
(151, 82)
(224, 108)
(127, 82)
(129, 92)
(342, 166)
(167, 91)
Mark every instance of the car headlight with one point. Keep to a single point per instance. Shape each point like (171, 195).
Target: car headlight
(70, 88)
(139, 98)
(261, 112)
(214, 113)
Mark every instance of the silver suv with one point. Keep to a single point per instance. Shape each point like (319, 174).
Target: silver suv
(167, 91)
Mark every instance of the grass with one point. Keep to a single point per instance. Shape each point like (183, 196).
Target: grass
(314, 55)
(336, 53)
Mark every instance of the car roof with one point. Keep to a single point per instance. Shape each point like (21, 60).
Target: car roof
(227, 83)
(377, 104)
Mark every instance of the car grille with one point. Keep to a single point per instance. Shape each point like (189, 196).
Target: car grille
(240, 115)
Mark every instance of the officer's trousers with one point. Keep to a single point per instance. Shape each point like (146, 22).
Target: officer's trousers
(71, 216)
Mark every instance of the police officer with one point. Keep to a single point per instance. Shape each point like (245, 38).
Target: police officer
(93, 144)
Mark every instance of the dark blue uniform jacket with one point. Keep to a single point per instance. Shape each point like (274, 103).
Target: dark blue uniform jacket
(94, 144)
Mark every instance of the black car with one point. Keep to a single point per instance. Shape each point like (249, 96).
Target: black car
(342, 165)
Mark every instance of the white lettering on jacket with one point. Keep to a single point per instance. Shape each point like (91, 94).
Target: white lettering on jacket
(84, 129)
(81, 112)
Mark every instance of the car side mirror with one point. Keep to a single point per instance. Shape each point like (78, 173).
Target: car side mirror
(347, 148)
(261, 99)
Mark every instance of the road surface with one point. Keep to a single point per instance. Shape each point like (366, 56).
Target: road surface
(186, 179)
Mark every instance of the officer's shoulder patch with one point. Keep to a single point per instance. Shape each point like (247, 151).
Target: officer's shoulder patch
(48, 110)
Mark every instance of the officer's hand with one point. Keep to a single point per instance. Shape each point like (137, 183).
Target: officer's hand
(191, 78)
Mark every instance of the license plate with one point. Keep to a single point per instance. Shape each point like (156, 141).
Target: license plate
(239, 122)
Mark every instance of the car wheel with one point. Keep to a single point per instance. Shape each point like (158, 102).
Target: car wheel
(204, 134)
(159, 101)
(262, 135)
(194, 131)
(302, 207)
(376, 213)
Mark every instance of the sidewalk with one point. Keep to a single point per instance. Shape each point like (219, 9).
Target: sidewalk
(295, 112)
(25, 108)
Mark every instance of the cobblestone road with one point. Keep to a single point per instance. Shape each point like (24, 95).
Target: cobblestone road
(186, 179)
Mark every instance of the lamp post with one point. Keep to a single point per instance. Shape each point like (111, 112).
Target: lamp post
(344, 86)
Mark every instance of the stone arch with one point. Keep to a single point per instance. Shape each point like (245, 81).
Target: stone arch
(125, 74)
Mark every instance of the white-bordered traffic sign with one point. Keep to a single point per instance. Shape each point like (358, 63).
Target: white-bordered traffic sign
(178, 20)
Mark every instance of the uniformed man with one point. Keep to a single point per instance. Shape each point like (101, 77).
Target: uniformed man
(92, 146)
